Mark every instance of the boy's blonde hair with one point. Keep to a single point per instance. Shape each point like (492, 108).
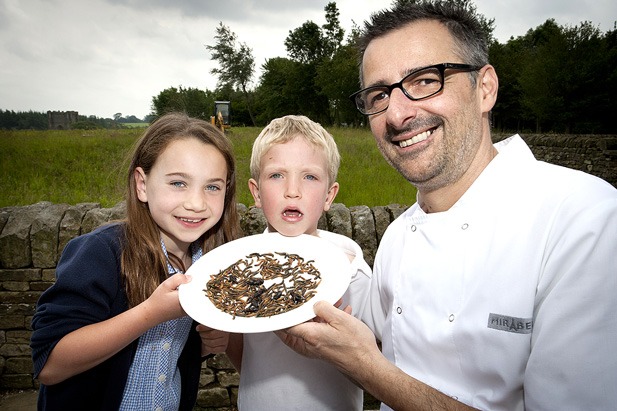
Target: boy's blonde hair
(284, 129)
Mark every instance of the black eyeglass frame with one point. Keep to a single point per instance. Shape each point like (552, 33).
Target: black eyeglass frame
(441, 68)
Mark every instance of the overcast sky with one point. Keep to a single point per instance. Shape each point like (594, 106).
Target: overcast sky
(101, 57)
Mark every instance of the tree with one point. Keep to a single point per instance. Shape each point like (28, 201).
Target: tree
(310, 44)
(236, 63)
(275, 92)
(338, 79)
(333, 33)
(305, 44)
(192, 101)
(508, 114)
(314, 48)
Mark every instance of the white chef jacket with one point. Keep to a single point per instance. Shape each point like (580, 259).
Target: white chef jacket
(507, 301)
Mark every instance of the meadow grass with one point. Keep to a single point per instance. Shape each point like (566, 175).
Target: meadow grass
(78, 166)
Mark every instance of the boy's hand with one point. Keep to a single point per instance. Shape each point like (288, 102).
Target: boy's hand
(212, 341)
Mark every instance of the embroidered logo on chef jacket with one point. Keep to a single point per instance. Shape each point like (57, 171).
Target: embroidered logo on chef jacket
(510, 324)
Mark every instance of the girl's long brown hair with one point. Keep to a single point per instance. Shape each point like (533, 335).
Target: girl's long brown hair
(143, 262)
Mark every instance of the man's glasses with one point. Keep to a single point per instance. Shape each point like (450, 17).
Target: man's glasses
(417, 85)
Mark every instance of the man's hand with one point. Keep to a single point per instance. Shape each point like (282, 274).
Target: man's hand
(334, 336)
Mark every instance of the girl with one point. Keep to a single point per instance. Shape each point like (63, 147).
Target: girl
(110, 333)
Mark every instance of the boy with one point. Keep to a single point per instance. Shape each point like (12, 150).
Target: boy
(294, 165)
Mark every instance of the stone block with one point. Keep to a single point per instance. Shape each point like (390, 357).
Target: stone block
(253, 221)
(15, 350)
(70, 226)
(396, 210)
(322, 224)
(206, 377)
(16, 309)
(18, 365)
(44, 235)
(14, 297)
(25, 274)
(5, 212)
(228, 379)
(382, 221)
(97, 217)
(213, 397)
(241, 210)
(41, 285)
(220, 362)
(8, 322)
(48, 275)
(18, 336)
(363, 227)
(15, 247)
(15, 286)
(16, 381)
(339, 220)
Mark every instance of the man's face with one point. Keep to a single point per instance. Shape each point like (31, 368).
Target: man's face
(430, 142)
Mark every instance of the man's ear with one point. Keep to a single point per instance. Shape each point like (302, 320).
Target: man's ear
(332, 192)
(140, 184)
(254, 189)
(489, 84)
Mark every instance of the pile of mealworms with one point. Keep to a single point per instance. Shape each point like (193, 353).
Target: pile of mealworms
(263, 285)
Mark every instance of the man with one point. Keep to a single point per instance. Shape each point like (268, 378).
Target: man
(496, 290)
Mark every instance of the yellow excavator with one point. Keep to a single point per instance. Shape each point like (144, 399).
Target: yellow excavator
(221, 118)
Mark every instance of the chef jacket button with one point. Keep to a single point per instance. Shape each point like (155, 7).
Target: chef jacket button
(399, 310)
(451, 318)
(465, 226)
(413, 228)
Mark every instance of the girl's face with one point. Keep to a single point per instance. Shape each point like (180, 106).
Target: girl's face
(293, 189)
(185, 191)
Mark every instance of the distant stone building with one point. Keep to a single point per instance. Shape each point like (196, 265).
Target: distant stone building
(61, 120)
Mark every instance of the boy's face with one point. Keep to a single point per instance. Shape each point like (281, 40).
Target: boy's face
(293, 189)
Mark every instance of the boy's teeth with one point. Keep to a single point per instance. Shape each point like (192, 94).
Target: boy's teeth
(415, 139)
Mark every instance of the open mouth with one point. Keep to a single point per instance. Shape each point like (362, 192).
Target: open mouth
(292, 212)
(416, 139)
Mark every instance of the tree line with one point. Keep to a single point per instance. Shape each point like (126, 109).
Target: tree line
(33, 120)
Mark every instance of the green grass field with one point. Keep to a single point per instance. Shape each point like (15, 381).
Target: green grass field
(77, 166)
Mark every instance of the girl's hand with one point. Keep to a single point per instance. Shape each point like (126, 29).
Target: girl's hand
(164, 303)
(212, 341)
(92, 344)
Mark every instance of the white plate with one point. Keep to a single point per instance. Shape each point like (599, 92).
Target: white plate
(329, 259)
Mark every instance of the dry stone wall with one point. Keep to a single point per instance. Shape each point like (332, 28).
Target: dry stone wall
(32, 239)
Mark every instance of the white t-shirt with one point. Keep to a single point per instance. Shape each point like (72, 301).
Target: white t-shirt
(274, 377)
(507, 301)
